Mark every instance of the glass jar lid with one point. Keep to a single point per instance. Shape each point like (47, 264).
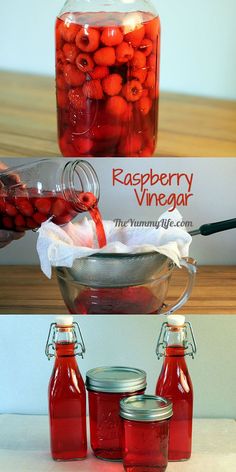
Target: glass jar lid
(146, 408)
(116, 379)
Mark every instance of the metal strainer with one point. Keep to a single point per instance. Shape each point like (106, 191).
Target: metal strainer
(117, 270)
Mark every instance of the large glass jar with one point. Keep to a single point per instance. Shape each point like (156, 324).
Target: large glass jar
(107, 386)
(145, 433)
(32, 193)
(107, 78)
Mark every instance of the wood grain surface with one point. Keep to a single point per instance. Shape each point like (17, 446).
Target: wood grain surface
(25, 290)
(188, 126)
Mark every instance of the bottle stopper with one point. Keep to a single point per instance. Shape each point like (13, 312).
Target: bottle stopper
(176, 320)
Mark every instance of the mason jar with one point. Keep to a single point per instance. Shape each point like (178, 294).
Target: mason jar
(107, 78)
(145, 432)
(106, 387)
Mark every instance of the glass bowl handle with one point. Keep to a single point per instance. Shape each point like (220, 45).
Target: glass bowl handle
(191, 267)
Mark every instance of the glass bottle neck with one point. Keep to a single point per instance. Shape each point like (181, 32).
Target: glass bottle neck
(64, 342)
(80, 185)
(176, 341)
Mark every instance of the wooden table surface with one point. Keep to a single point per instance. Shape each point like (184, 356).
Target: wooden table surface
(25, 290)
(189, 126)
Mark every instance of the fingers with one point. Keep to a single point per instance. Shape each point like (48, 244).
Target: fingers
(6, 237)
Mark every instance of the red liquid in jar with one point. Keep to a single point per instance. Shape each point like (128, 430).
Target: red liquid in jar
(106, 423)
(127, 300)
(175, 384)
(67, 407)
(145, 446)
(30, 209)
(107, 82)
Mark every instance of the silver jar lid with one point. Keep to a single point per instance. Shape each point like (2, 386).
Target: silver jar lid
(116, 379)
(146, 408)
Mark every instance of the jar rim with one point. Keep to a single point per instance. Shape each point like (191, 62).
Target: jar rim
(116, 379)
(146, 408)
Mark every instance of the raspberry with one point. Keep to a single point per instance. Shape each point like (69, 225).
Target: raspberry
(132, 145)
(77, 98)
(152, 28)
(82, 145)
(88, 199)
(84, 62)
(139, 74)
(70, 52)
(105, 56)
(150, 80)
(112, 36)
(11, 210)
(25, 207)
(39, 218)
(112, 84)
(146, 47)
(135, 37)
(62, 99)
(116, 106)
(124, 52)
(93, 89)
(60, 60)
(128, 115)
(145, 93)
(73, 76)
(43, 205)
(132, 91)
(146, 152)
(139, 60)
(62, 220)
(20, 222)
(106, 132)
(31, 223)
(58, 207)
(7, 222)
(2, 205)
(61, 83)
(87, 39)
(145, 105)
(152, 62)
(99, 72)
(68, 31)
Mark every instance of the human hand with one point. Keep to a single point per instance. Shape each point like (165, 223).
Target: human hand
(8, 178)
(6, 237)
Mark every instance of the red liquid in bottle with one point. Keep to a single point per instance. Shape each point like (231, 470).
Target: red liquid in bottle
(67, 406)
(127, 300)
(107, 82)
(175, 384)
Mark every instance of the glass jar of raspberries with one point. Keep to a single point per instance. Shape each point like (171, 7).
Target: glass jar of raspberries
(32, 193)
(107, 78)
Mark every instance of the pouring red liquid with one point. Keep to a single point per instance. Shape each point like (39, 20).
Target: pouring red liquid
(22, 213)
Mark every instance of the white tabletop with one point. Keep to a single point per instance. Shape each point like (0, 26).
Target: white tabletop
(24, 447)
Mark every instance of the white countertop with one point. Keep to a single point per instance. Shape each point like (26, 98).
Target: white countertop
(24, 447)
